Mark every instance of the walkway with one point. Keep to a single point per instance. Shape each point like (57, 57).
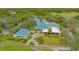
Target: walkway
(33, 38)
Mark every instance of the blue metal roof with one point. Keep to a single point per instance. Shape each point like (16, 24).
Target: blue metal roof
(22, 33)
(52, 24)
(42, 25)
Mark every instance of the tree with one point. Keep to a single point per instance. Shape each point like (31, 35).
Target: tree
(76, 17)
(28, 23)
(71, 33)
(58, 19)
(1, 29)
(40, 40)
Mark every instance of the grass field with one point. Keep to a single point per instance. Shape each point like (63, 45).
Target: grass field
(55, 41)
(9, 39)
(5, 41)
(12, 45)
(15, 48)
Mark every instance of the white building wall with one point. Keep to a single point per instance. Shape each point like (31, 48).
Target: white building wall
(55, 30)
(44, 30)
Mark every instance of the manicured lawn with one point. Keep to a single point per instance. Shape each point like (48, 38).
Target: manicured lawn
(12, 45)
(55, 41)
(9, 39)
(15, 48)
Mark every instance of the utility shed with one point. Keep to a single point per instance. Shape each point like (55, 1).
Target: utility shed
(22, 33)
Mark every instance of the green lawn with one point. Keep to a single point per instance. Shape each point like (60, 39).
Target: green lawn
(15, 48)
(54, 41)
(6, 41)
(9, 39)
(8, 44)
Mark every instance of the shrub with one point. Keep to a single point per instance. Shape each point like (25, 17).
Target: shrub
(1, 29)
(21, 41)
(76, 17)
(40, 40)
(9, 38)
(31, 43)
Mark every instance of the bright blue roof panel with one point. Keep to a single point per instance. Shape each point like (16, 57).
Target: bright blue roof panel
(41, 25)
(51, 24)
(22, 33)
